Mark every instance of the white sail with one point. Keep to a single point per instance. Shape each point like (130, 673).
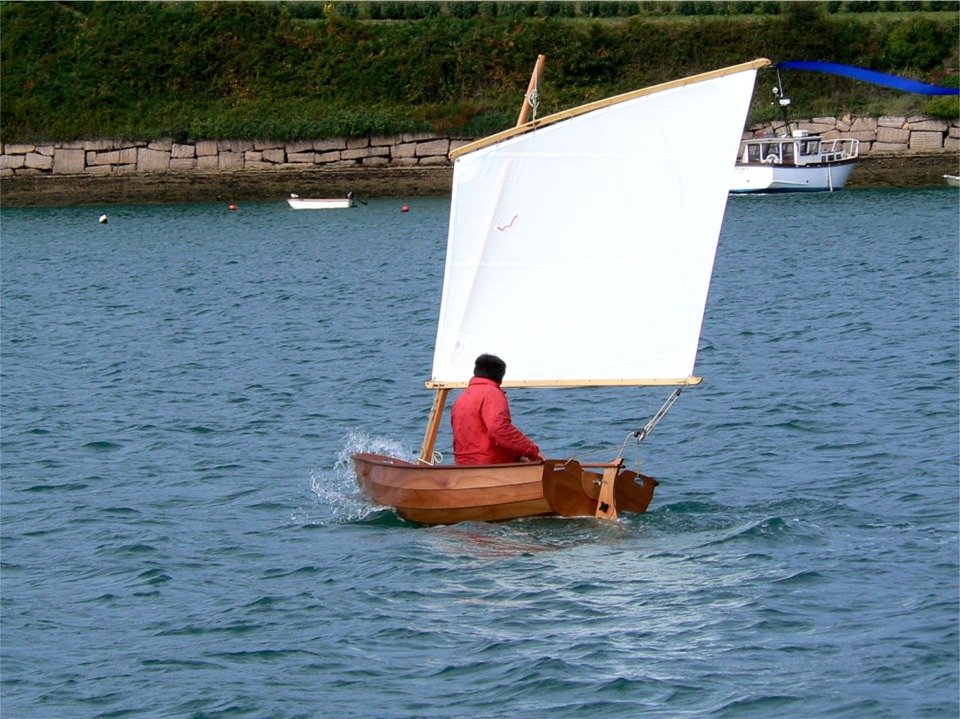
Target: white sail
(582, 251)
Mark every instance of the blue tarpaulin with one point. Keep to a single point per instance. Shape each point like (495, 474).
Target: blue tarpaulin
(871, 76)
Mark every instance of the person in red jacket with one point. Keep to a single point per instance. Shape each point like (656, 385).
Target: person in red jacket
(483, 432)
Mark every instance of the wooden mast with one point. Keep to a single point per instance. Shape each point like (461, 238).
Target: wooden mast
(534, 81)
(440, 398)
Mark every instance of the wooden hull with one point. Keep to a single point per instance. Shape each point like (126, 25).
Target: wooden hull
(447, 494)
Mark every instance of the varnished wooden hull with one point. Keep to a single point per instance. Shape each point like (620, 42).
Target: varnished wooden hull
(447, 494)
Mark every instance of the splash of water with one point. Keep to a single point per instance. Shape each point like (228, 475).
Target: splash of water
(337, 498)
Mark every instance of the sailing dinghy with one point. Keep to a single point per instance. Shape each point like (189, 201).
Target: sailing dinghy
(604, 216)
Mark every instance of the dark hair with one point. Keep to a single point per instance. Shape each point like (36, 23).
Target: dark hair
(490, 367)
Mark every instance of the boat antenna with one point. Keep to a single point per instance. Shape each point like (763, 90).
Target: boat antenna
(783, 102)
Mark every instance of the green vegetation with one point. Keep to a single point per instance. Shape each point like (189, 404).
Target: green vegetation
(300, 70)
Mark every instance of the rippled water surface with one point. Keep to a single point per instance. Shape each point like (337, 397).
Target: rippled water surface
(182, 537)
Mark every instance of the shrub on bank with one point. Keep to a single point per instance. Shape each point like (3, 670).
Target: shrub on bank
(301, 70)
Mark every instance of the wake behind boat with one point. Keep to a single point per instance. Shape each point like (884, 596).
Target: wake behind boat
(329, 203)
(524, 224)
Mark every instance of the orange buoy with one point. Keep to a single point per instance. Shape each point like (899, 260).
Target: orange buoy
(405, 208)
(233, 207)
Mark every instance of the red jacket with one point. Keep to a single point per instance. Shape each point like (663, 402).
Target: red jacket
(482, 430)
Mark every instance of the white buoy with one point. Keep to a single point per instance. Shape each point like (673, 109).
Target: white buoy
(103, 219)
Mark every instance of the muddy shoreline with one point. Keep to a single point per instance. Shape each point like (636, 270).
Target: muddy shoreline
(900, 170)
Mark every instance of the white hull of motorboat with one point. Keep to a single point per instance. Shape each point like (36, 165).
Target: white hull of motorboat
(777, 178)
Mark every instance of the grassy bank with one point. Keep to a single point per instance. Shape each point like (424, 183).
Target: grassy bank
(286, 71)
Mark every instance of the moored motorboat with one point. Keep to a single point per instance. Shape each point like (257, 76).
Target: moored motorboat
(952, 180)
(800, 162)
(326, 203)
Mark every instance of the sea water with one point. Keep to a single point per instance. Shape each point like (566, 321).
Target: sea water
(181, 535)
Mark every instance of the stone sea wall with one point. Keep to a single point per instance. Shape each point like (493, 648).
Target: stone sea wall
(107, 157)
(885, 135)
(893, 134)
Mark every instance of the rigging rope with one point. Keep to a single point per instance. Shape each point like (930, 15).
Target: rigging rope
(534, 99)
(640, 434)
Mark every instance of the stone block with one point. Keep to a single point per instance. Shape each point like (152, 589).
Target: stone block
(301, 157)
(364, 152)
(892, 135)
(18, 149)
(897, 121)
(45, 150)
(434, 160)
(815, 128)
(208, 162)
(11, 162)
(433, 147)
(240, 146)
(951, 143)
(275, 155)
(98, 170)
(300, 147)
(457, 144)
(924, 124)
(149, 160)
(864, 124)
(125, 169)
(323, 158)
(355, 143)
(181, 164)
(327, 144)
(98, 145)
(40, 162)
(405, 149)
(207, 148)
(178, 151)
(924, 140)
(68, 161)
(266, 145)
(230, 161)
(888, 147)
(160, 145)
(375, 160)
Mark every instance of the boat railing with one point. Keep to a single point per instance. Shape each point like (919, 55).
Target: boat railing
(839, 149)
(801, 150)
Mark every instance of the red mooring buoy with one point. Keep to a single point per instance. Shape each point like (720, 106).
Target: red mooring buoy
(232, 207)
(405, 208)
